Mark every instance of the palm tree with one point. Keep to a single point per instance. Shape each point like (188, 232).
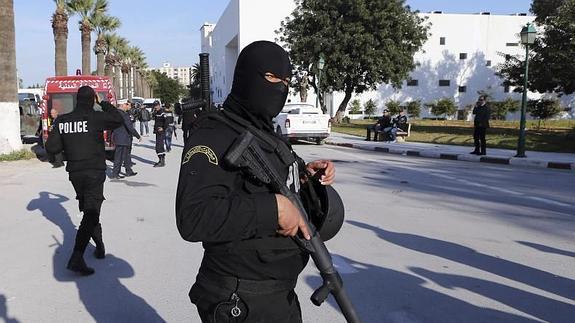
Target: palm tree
(103, 24)
(60, 30)
(88, 10)
(9, 118)
(136, 58)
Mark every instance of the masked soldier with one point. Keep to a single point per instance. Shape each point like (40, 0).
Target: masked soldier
(79, 134)
(250, 264)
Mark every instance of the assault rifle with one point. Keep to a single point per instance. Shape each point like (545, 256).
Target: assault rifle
(205, 102)
(246, 154)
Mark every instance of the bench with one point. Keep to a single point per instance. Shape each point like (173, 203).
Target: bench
(400, 135)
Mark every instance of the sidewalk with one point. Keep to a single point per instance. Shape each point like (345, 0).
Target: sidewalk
(496, 156)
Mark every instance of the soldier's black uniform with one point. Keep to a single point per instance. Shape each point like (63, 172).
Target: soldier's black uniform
(160, 125)
(247, 269)
(482, 114)
(79, 134)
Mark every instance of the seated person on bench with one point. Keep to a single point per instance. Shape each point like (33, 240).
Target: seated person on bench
(382, 123)
(399, 123)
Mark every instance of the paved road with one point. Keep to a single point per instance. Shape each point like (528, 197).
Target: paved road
(425, 241)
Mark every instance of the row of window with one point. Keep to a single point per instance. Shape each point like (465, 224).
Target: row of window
(447, 83)
(442, 42)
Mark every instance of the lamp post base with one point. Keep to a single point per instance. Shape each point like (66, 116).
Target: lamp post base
(520, 156)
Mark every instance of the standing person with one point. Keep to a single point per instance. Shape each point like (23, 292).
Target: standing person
(170, 127)
(122, 137)
(57, 160)
(79, 134)
(482, 114)
(399, 122)
(381, 124)
(250, 264)
(145, 117)
(160, 131)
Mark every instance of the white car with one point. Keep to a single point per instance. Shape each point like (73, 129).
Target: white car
(303, 121)
(149, 103)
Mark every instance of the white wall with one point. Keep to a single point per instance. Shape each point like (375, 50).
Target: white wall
(483, 37)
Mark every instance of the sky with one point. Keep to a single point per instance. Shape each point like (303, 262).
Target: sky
(167, 31)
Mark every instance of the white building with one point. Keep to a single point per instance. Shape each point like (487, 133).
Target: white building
(181, 73)
(457, 61)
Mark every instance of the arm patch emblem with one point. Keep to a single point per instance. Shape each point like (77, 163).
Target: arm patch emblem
(212, 158)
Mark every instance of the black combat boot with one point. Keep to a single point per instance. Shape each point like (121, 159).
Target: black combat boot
(161, 162)
(100, 251)
(77, 264)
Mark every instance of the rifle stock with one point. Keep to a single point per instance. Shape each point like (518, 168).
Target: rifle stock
(246, 154)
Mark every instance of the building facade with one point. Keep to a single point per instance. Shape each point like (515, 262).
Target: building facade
(181, 73)
(458, 60)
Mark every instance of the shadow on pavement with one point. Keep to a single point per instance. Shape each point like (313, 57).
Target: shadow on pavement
(547, 249)
(402, 297)
(451, 251)
(4, 311)
(103, 294)
(143, 160)
(541, 307)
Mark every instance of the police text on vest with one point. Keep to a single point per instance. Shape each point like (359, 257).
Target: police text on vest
(73, 127)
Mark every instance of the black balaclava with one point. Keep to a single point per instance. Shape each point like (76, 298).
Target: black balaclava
(85, 99)
(252, 96)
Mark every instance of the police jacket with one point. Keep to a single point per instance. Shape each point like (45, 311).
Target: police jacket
(122, 135)
(400, 122)
(160, 121)
(233, 214)
(80, 135)
(482, 115)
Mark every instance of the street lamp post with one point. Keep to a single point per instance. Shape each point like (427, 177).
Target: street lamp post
(320, 66)
(528, 34)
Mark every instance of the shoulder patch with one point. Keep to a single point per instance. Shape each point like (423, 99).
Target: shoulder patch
(212, 157)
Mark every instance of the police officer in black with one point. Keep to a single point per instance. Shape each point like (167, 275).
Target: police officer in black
(160, 126)
(482, 114)
(250, 264)
(79, 134)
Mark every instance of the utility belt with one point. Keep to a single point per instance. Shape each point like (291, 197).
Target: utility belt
(239, 285)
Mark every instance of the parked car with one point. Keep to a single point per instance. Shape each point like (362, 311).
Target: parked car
(303, 121)
(149, 103)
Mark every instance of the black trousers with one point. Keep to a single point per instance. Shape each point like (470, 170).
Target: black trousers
(122, 156)
(479, 139)
(215, 302)
(89, 187)
(160, 138)
(373, 128)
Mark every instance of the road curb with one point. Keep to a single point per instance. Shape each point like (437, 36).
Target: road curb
(536, 163)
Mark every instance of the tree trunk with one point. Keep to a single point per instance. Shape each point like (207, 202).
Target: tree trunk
(130, 88)
(9, 116)
(100, 50)
(86, 40)
(60, 31)
(117, 81)
(137, 88)
(343, 105)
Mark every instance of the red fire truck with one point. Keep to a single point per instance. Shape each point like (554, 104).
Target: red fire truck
(60, 94)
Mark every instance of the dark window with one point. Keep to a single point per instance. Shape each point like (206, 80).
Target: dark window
(442, 41)
(444, 83)
(412, 82)
(488, 63)
(506, 88)
(462, 89)
(462, 55)
(512, 44)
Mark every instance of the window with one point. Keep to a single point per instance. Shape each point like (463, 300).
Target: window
(488, 63)
(444, 83)
(506, 88)
(442, 41)
(462, 89)
(412, 82)
(512, 44)
(462, 55)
